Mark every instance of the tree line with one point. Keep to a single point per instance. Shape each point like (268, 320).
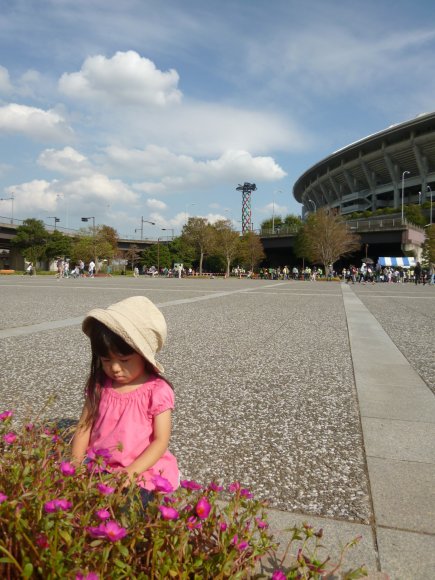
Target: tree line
(323, 238)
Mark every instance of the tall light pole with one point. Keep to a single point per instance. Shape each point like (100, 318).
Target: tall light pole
(273, 209)
(419, 198)
(56, 219)
(86, 219)
(315, 207)
(403, 188)
(142, 222)
(11, 199)
(169, 230)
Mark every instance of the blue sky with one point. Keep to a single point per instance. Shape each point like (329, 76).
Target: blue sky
(160, 108)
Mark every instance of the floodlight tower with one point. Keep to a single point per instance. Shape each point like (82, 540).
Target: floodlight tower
(246, 189)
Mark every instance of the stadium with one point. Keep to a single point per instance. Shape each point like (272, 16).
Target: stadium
(389, 169)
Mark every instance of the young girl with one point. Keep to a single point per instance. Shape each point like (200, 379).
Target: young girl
(128, 403)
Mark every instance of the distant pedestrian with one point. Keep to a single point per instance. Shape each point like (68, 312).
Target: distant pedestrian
(417, 273)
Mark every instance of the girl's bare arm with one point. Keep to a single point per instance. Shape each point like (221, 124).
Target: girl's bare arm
(162, 433)
(81, 438)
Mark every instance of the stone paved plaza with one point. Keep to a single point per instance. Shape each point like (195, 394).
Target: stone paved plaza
(262, 370)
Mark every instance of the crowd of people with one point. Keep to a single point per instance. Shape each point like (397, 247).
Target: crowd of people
(365, 274)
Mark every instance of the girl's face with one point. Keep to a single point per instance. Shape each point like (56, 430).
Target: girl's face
(124, 369)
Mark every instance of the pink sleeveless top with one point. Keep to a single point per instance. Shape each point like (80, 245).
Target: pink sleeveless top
(124, 426)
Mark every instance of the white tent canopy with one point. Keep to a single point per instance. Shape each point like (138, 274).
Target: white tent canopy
(404, 262)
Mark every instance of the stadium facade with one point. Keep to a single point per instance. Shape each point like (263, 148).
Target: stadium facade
(393, 167)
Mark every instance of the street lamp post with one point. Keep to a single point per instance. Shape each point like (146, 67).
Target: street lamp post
(169, 230)
(419, 198)
(403, 188)
(273, 209)
(86, 219)
(142, 222)
(429, 189)
(11, 199)
(315, 207)
(56, 220)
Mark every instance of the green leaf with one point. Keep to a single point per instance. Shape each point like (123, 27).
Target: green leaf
(66, 536)
(96, 543)
(119, 564)
(123, 550)
(27, 570)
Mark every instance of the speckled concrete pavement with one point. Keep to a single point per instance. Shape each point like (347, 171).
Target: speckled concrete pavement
(264, 376)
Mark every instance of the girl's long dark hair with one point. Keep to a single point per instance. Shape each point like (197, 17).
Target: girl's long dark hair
(103, 342)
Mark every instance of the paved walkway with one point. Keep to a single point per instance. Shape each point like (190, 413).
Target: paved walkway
(294, 388)
(397, 412)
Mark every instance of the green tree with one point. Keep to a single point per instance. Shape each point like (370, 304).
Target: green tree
(58, 244)
(181, 252)
(157, 255)
(325, 238)
(200, 235)
(414, 215)
(428, 249)
(31, 240)
(251, 250)
(95, 245)
(293, 222)
(227, 242)
(133, 255)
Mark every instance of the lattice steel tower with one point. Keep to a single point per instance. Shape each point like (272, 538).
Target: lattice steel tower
(246, 189)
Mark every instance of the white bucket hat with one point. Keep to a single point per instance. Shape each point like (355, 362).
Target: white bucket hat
(138, 322)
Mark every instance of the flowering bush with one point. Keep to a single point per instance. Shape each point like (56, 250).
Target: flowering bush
(58, 520)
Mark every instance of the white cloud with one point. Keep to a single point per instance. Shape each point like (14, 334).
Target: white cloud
(5, 84)
(98, 188)
(156, 204)
(34, 196)
(126, 78)
(272, 208)
(67, 161)
(168, 172)
(33, 122)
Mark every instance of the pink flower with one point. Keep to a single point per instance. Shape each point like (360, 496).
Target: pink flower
(114, 531)
(3, 497)
(242, 546)
(90, 576)
(188, 484)
(161, 484)
(261, 524)
(278, 575)
(168, 513)
(233, 487)
(30, 427)
(246, 493)
(97, 531)
(105, 489)
(223, 526)
(235, 539)
(215, 487)
(5, 415)
(57, 505)
(67, 468)
(42, 541)
(55, 439)
(193, 524)
(10, 437)
(101, 452)
(203, 508)
(102, 514)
